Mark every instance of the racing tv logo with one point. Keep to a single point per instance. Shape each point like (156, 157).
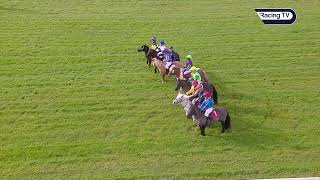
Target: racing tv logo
(277, 16)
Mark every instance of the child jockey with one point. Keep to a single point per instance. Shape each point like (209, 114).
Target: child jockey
(167, 59)
(189, 67)
(207, 105)
(162, 46)
(195, 92)
(186, 73)
(195, 74)
(154, 44)
(174, 55)
(188, 64)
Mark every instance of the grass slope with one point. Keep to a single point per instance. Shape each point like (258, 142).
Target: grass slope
(77, 100)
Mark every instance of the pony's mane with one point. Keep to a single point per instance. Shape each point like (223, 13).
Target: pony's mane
(196, 110)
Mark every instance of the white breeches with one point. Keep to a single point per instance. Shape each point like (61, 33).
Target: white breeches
(208, 111)
(168, 64)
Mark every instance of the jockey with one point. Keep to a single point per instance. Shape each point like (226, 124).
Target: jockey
(154, 44)
(195, 92)
(207, 105)
(162, 46)
(188, 64)
(174, 55)
(167, 58)
(195, 74)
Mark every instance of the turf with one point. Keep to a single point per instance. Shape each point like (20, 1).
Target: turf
(78, 101)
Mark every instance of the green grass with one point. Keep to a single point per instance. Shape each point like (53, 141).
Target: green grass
(78, 101)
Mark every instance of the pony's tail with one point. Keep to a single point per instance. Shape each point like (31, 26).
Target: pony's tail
(214, 94)
(227, 122)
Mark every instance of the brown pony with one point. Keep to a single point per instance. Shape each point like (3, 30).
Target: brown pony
(156, 61)
(151, 55)
(179, 64)
(159, 65)
(176, 71)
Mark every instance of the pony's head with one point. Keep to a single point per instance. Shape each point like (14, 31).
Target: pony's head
(143, 48)
(180, 97)
(182, 84)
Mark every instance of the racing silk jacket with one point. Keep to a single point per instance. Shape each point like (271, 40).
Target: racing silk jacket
(195, 74)
(206, 104)
(193, 90)
(162, 48)
(167, 57)
(154, 47)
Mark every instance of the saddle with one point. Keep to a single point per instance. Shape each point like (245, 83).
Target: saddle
(214, 115)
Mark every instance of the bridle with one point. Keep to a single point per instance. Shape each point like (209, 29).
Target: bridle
(178, 100)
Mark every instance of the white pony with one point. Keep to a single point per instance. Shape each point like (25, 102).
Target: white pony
(185, 102)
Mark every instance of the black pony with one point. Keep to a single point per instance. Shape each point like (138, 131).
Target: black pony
(144, 48)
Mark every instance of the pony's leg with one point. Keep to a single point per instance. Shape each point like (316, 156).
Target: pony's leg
(202, 128)
(195, 121)
(223, 126)
(227, 122)
(154, 65)
(177, 88)
(162, 78)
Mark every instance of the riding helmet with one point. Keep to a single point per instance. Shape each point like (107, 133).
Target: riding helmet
(207, 94)
(189, 57)
(161, 42)
(195, 83)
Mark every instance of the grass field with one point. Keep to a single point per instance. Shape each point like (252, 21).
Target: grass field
(78, 101)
